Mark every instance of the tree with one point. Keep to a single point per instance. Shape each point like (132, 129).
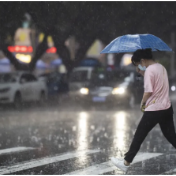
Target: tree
(86, 21)
(11, 16)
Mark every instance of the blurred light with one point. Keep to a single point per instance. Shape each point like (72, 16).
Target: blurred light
(173, 88)
(83, 114)
(41, 37)
(82, 131)
(51, 50)
(126, 59)
(120, 125)
(110, 59)
(17, 49)
(11, 49)
(20, 49)
(28, 49)
(82, 137)
(101, 76)
(23, 58)
(84, 91)
(117, 90)
(23, 49)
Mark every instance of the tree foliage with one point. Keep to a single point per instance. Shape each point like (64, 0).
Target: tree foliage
(86, 21)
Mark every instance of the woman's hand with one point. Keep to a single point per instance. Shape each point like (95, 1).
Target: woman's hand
(142, 107)
(139, 71)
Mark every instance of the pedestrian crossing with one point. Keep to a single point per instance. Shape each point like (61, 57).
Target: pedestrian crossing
(15, 149)
(43, 161)
(108, 166)
(170, 172)
(95, 166)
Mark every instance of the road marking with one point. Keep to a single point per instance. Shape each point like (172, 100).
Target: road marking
(173, 171)
(44, 161)
(109, 167)
(15, 149)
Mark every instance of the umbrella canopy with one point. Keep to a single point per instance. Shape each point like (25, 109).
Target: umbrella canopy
(131, 43)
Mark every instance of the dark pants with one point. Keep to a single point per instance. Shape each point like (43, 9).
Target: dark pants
(148, 121)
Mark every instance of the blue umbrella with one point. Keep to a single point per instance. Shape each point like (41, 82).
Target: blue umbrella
(131, 43)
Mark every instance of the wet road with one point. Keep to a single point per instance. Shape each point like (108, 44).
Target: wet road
(72, 140)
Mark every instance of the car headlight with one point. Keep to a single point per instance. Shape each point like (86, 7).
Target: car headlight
(4, 90)
(84, 91)
(118, 90)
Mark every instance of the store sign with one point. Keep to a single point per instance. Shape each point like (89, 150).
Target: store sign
(20, 49)
(22, 37)
(51, 50)
(28, 49)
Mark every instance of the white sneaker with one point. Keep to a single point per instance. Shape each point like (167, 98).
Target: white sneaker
(120, 164)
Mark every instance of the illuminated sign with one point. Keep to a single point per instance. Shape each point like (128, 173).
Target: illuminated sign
(51, 50)
(22, 37)
(24, 57)
(20, 49)
(28, 49)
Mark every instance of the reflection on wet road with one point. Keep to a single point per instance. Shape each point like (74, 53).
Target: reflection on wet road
(57, 140)
(119, 130)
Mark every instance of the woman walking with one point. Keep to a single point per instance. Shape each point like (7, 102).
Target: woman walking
(155, 104)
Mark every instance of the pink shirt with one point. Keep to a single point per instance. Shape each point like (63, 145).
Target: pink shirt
(156, 81)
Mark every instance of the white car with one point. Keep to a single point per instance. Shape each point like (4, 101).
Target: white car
(21, 87)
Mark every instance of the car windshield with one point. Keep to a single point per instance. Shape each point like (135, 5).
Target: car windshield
(7, 78)
(78, 76)
(108, 78)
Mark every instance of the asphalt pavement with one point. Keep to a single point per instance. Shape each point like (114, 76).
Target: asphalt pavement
(71, 140)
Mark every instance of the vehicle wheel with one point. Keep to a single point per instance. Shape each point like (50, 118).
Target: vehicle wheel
(17, 101)
(42, 100)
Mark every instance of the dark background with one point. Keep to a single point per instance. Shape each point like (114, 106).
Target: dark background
(86, 21)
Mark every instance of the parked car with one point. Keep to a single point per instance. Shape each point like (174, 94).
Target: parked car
(21, 87)
(57, 84)
(112, 87)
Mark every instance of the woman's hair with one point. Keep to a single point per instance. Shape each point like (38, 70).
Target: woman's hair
(141, 54)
